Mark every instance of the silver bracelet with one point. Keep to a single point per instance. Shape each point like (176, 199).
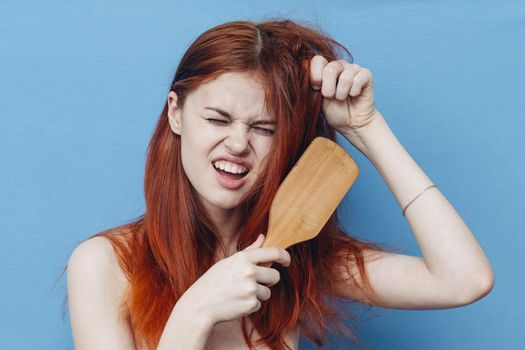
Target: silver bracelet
(416, 197)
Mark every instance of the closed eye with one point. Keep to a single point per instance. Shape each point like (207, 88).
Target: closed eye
(265, 131)
(217, 121)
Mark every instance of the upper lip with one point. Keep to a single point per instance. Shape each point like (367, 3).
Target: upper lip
(234, 161)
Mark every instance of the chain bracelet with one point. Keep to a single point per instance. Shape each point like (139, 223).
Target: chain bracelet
(416, 197)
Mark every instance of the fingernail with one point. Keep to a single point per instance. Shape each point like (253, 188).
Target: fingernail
(316, 87)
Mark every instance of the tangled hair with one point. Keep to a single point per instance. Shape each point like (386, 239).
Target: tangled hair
(165, 250)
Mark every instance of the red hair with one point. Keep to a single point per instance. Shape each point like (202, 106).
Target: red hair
(163, 252)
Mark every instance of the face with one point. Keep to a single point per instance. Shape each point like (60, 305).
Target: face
(225, 120)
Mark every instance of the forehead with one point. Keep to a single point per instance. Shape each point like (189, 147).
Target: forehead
(240, 94)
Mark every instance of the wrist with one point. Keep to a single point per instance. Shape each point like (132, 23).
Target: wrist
(187, 327)
(363, 137)
(195, 311)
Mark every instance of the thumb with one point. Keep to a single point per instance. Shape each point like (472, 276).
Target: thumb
(257, 244)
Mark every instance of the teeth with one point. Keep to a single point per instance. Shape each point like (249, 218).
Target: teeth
(229, 167)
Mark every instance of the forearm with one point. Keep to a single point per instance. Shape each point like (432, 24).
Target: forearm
(187, 328)
(449, 248)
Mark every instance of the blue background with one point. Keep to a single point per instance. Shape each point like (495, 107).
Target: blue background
(83, 83)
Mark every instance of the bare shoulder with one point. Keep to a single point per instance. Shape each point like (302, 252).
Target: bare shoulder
(96, 286)
(96, 257)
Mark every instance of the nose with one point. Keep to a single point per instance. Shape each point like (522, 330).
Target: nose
(237, 140)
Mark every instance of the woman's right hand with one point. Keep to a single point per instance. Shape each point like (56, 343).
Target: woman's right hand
(236, 286)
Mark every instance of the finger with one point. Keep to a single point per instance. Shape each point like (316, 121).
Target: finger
(362, 79)
(330, 74)
(267, 276)
(316, 71)
(258, 305)
(269, 254)
(344, 83)
(267, 264)
(258, 243)
(263, 293)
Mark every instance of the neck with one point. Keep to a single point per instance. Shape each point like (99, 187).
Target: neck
(227, 223)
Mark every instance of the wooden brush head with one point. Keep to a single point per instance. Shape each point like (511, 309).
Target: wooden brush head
(310, 193)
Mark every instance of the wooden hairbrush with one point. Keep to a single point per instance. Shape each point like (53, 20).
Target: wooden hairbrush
(309, 194)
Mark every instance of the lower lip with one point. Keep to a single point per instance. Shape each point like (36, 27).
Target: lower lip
(230, 183)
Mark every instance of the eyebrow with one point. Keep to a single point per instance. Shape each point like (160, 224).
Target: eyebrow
(228, 115)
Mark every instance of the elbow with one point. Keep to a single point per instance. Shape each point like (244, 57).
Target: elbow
(478, 287)
(487, 283)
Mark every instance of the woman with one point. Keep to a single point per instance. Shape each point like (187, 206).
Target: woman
(245, 102)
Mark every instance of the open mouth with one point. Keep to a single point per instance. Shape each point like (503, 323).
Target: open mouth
(230, 171)
(233, 176)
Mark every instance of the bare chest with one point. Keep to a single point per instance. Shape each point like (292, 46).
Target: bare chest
(228, 335)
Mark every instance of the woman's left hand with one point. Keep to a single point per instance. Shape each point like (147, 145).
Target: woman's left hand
(348, 94)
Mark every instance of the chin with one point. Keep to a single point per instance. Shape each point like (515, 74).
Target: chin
(227, 201)
(227, 204)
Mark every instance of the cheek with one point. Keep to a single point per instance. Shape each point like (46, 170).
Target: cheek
(190, 152)
(263, 151)
(264, 146)
(202, 133)
(197, 146)
(186, 156)
(195, 136)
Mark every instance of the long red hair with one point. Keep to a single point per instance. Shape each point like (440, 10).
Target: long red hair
(164, 251)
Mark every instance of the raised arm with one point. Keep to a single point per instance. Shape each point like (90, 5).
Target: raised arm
(454, 270)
